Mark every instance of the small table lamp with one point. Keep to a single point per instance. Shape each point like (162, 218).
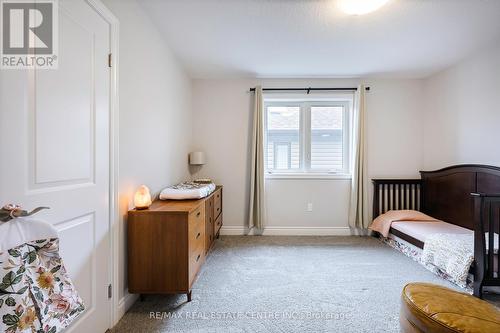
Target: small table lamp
(142, 198)
(197, 158)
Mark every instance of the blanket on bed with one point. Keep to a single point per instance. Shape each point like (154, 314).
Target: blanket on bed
(453, 254)
(36, 293)
(382, 223)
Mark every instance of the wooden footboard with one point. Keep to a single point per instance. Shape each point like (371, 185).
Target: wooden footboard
(487, 227)
(392, 194)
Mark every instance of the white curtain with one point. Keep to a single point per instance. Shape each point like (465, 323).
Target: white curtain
(257, 207)
(358, 208)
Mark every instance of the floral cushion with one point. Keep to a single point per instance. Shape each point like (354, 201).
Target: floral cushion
(36, 293)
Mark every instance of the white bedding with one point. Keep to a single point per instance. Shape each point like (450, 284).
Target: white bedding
(422, 230)
(452, 253)
(187, 190)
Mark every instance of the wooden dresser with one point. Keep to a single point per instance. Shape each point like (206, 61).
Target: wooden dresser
(168, 243)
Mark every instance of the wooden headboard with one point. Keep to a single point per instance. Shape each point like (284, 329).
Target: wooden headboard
(444, 194)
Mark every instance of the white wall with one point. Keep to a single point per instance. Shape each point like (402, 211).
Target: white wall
(155, 115)
(462, 112)
(222, 124)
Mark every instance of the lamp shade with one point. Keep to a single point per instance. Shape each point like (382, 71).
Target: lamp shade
(142, 198)
(197, 158)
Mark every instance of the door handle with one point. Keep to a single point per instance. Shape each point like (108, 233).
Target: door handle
(11, 211)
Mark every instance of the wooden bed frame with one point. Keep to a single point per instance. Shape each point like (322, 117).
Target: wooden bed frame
(466, 195)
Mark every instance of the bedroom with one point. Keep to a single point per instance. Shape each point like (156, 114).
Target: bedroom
(180, 82)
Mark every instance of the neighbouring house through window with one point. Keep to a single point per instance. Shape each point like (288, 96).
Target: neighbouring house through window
(307, 137)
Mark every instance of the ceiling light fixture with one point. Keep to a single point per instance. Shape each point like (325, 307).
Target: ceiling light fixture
(360, 7)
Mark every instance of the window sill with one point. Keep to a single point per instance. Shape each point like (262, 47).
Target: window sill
(307, 176)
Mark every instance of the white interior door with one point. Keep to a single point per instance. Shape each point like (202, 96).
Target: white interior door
(54, 143)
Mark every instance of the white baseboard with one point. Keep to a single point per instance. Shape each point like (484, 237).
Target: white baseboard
(287, 231)
(123, 305)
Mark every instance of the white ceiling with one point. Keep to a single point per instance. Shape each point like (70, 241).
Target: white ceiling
(312, 38)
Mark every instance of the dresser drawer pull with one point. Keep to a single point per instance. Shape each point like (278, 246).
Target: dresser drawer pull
(198, 257)
(198, 236)
(198, 214)
(217, 195)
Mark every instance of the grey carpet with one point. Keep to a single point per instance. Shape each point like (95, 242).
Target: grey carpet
(287, 284)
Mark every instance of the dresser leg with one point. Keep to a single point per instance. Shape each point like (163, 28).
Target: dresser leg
(142, 297)
(189, 295)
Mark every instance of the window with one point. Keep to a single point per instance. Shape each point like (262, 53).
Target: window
(282, 155)
(283, 137)
(307, 137)
(327, 137)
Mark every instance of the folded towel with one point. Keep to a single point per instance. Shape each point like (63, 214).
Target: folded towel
(187, 190)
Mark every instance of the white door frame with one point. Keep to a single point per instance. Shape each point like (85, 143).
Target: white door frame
(114, 24)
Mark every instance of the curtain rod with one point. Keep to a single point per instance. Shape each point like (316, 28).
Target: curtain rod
(310, 89)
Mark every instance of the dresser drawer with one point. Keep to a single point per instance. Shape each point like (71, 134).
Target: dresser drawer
(209, 223)
(196, 229)
(196, 217)
(197, 237)
(217, 203)
(218, 224)
(196, 258)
